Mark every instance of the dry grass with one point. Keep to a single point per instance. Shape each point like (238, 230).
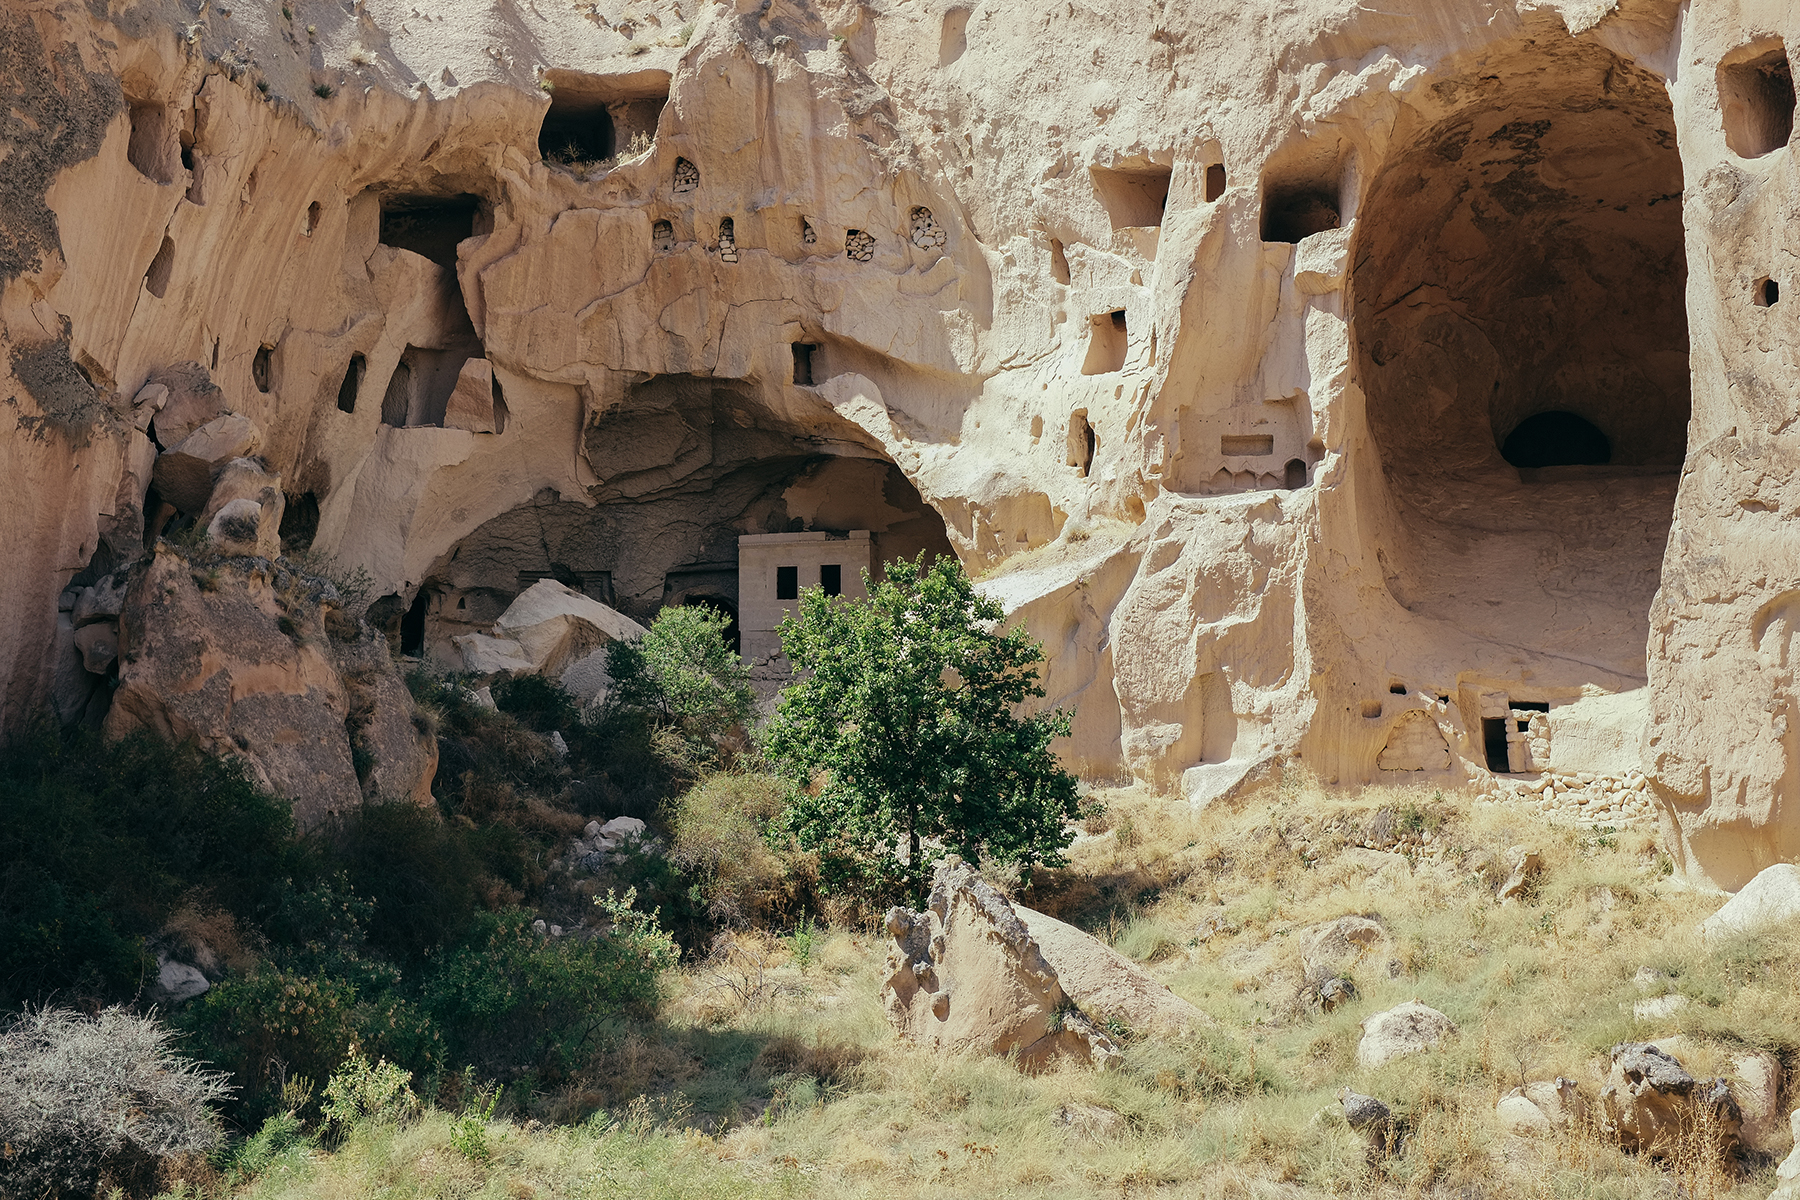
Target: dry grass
(797, 1088)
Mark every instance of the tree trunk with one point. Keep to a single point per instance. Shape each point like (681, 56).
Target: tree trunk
(912, 861)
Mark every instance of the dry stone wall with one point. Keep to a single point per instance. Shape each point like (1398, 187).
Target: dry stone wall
(1368, 387)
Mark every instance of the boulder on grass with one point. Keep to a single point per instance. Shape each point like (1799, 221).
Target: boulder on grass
(966, 975)
(1650, 1101)
(1404, 1029)
(1105, 984)
(1773, 897)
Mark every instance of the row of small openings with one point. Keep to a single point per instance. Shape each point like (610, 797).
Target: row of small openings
(1756, 102)
(859, 245)
(787, 581)
(1256, 445)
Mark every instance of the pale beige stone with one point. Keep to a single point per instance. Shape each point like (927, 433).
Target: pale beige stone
(1210, 386)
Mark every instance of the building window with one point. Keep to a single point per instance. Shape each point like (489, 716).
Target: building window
(787, 583)
(831, 579)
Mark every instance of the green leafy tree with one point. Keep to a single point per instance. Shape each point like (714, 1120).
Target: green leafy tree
(684, 678)
(902, 726)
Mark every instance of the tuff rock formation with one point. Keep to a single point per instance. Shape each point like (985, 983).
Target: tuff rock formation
(976, 972)
(1403, 389)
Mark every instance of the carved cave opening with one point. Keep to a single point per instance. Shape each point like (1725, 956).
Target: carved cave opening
(597, 118)
(1517, 287)
(687, 465)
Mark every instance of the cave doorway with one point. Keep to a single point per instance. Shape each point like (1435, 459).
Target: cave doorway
(1518, 306)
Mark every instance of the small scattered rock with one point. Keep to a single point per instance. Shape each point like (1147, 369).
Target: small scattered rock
(1787, 1175)
(1336, 992)
(622, 827)
(1658, 1007)
(1093, 1120)
(1370, 1118)
(177, 982)
(1526, 865)
(558, 744)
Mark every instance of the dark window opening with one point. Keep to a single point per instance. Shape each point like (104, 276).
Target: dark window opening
(397, 400)
(418, 392)
(803, 362)
(831, 579)
(732, 636)
(1768, 293)
(352, 384)
(662, 236)
(687, 175)
(153, 147)
(161, 267)
(1083, 442)
(1493, 740)
(432, 226)
(577, 130)
(1556, 439)
(1528, 706)
(1133, 198)
(1371, 709)
(728, 240)
(299, 523)
(187, 153)
(1292, 214)
(412, 625)
(1295, 474)
(808, 236)
(262, 368)
(312, 217)
(1215, 182)
(787, 583)
(1397, 689)
(1108, 343)
(1756, 101)
(1059, 262)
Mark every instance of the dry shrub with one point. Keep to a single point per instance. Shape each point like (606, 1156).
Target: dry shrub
(723, 832)
(829, 1063)
(205, 931)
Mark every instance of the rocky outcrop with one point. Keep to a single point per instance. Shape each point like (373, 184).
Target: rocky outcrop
(253, 658)
(1291, 428)
(975, 972)
(1650, 1103)
(554, 631)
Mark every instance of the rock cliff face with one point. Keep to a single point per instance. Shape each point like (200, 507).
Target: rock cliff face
(1357, 385)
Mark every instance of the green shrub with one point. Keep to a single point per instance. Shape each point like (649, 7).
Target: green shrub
(100, 843)
(280, 1134)
(722, 829)
(361, 1091)
(509, 995)
(539, 703)
(78, 1094)
(685, 680)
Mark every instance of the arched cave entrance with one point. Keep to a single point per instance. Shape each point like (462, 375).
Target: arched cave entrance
(688, 464)
(1521, 338)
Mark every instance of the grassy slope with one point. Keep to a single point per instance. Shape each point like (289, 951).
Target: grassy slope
(775, 1076)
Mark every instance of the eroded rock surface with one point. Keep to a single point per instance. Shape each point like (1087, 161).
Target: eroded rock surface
(966, 974)
(1347, 397)
(248, 658)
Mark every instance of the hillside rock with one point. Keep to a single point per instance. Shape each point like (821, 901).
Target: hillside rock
(967, 975)
(552, 630)
(1193, 363)
(1404, 1029)
(1773, 897)
(1650, 1100)
(1106, 985)
(240, 658)
(1787, 1175)
(1541, 1107)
